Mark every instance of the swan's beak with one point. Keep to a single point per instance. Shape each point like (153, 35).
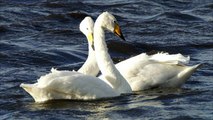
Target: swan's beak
(118, 32)
(91, 40)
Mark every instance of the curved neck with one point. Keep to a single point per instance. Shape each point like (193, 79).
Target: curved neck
(105, 63)
(90, 66)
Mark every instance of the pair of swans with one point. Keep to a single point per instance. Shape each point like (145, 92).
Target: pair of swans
(142, 71)
(76, 85)
(137, 73)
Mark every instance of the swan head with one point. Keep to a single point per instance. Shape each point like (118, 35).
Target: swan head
(86, 27)
(109, 22)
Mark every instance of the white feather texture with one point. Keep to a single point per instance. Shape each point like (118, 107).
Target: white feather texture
(89, 67)
(148, 71)
(106, 21)
(160, 70)
(75, 85)
(68, 85)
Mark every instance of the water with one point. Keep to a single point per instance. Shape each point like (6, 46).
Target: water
(36, 35)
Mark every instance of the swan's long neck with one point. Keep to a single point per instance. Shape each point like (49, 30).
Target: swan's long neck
(90, 66)
(105, 63)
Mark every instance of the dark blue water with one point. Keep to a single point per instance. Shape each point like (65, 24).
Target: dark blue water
(36, 35)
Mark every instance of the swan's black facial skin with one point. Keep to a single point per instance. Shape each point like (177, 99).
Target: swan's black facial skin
(93, 47)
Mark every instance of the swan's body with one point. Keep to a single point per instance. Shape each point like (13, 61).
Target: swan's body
(74, 85)
(159, 70)
(145, 72)
(68, 85)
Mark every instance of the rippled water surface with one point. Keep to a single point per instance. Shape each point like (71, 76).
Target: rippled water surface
(36, 35)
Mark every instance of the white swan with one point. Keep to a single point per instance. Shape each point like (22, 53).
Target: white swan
(75, 85)
(106, 21)
(158, 70)
(90, 66)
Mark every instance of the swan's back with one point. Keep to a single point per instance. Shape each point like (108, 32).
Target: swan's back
(170, 58)
(159, 70)
(68, 85)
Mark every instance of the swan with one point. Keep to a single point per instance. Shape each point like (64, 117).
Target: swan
(111, 75)
(89, 67)
(149, 71)
(75, 85)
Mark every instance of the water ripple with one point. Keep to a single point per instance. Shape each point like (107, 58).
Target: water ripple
(36, 35)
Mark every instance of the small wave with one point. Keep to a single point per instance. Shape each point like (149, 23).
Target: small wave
(209, 6)
(3, 55)
(7, 46)
(202, 45)
(60, 31)
(181, 16)
(54, 4)
(60, 17)
(71, 5)
(77, 14)
(122, 47)
(3, 29)
(63, 57)
(185, 117)
(64, 17)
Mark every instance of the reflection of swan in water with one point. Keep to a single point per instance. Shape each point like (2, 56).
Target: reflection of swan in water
(75, 85)
(93, 106)
(158, 70)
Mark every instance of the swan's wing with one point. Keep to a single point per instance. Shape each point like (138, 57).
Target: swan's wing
(43, 80)
(133, 64)
(68, 85)
(129, 67)
(160, 75)
(154, 75)
(144, 72)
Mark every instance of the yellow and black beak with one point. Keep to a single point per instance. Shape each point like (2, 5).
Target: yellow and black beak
(91, 40)
(117, 31)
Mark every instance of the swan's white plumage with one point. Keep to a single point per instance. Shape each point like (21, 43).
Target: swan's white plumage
(147, 71)
(70, 85)
(106, 21)
(89, 67)
(159, 70)
(170, 58)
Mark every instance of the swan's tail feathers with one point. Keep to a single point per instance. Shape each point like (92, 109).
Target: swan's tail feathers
(186, 74)
(197, 66)
(27, 87)
(33, 90)
(193, 68)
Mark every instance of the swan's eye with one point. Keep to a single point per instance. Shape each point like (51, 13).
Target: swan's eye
(114, 21)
